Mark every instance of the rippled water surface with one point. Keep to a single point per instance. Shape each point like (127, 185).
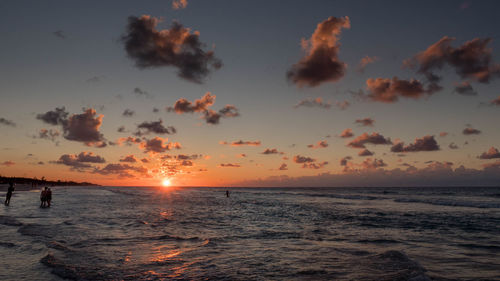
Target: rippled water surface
(112, 233)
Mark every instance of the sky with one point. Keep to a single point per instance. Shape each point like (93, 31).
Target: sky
(251, 93)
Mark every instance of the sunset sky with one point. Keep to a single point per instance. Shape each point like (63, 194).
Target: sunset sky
(251, 93)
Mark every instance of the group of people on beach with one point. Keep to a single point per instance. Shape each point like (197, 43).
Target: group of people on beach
(45, 197)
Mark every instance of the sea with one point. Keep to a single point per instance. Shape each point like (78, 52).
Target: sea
(168, 233)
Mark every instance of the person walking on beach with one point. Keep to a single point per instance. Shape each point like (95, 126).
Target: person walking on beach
(49, 197)
(43, 198)
(10, 190)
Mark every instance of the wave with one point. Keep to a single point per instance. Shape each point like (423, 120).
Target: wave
(37, 230)
(379, 241)
(441, 202)
(7, 244)
(72, 272)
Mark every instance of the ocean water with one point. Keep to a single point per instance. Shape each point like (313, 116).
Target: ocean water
(113, 233)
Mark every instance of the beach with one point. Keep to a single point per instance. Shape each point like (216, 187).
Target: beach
(134, 233)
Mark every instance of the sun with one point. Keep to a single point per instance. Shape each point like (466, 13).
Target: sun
(166, 182)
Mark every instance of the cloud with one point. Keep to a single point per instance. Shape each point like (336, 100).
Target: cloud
(490, 154)
(365, 152)
(8, 163)
(314, 165)
(77, 127)
(443, 134)
(472, 60)
(129, 158)
(343, 161)
(229, 165)
(471, 131)
(121, 129)
(158, 145)
(129, 141)
(495, 101)
(347, 133)
(141, 93)
(368, 163)
(6, 122)
(283, 167)
(122, 170)
(465, 89)
(79, 161)
(342, 105)
(453, 146)
(366, 61)
(493, 166)
(241, 155)
(59, 116)
(95, 79)
(374, 138)
(317, 102)
(321, 63)
(242, 143)
(179, 4)
(270, 151)
(154, 127)
(128, 113)
(303, 159)
(365, 122)
(176, 47)
(319, 144)
(59, 34)
(203, 105)
(426, 143)
(48, 134)
(390, 90)
(144, 160)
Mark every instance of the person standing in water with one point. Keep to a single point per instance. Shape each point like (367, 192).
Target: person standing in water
(43, 198)
(227, 193)
(10, 190)
(49, 197)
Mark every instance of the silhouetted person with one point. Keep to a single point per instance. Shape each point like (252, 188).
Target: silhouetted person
(10, 190)
(227, 193)
(49, 197)
(43, 198)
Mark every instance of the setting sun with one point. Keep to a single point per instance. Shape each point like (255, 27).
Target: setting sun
(166, 182)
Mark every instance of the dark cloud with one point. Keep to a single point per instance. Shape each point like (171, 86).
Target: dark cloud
(343, 161)
(8, 163)
(129, 158)
(48, 134)
(128, 113)
(365, 152)
(202, 106)
(374, 138)
(314, 165)
(368, 163)
(366, 61)
(303, 159)
(426, 143)
(59, 116)
(141, 93)
(465, 89)
(471, 131)
(95, 79)
(365, 122)
(79, 161)
(155, 110)
(59, 34)
(268, 151)
(317, 102)
(6, 122)
(229, 165)
(122, 170)
(242, 143)
(472, 60)
(342, 105)
(144, 160)
(155, 127)
(158, 145)
(321, 63)
(490, 154)
(453, 146)
(347, 133)
(121, 129)
(390, 90)
(77, 127)
(319, 144)
(283, 167)
(176, 47)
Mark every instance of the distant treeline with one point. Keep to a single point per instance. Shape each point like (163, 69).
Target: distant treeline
(42, 181)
